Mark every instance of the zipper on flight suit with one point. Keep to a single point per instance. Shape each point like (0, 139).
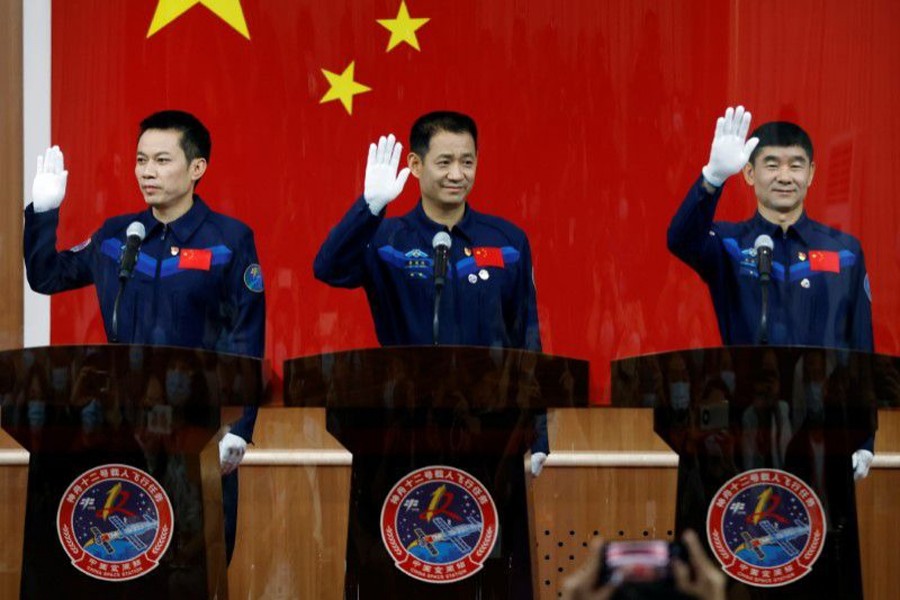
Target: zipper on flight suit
(157, 278)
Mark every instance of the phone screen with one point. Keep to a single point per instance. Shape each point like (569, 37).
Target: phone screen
(641, 561)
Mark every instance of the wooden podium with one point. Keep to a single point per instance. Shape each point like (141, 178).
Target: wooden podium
(765, 437)
(124, 491)
(438, 505)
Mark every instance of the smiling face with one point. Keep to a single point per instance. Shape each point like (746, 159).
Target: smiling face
(446, 173)
(165, 176)
(780, 176)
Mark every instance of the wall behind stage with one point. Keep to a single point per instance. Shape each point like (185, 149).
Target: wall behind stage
(595, 117)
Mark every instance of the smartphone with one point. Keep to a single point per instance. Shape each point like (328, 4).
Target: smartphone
(644, 563)
(714, 416)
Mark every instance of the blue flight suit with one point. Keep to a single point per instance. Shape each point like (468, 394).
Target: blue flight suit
(810, 304)
(172, 299)
(488, 300)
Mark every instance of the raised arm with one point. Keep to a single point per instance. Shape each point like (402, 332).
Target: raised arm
(340, 261)
(49, 271)
(689, 232)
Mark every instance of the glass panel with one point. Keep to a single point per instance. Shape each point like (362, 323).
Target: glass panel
(595, 118)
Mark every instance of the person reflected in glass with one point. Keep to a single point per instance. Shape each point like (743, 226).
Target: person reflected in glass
(766, 423)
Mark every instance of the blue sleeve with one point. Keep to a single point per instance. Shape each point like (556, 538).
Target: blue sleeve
(688, 236)
(868, 444)
(541, 436)
(47, 270)
(860, 334)
(528, 335)
(246, 311)
(525, 328)
(245, 306)
(341, 261)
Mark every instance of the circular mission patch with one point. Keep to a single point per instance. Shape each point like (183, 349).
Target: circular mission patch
(115, 522)
(766, 527)
(439, 524)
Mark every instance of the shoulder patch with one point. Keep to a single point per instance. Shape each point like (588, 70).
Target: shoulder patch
(81, 246)
(253, 278)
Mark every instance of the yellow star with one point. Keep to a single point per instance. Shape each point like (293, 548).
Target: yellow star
(403, 28)
(343, 87)
(228, 10)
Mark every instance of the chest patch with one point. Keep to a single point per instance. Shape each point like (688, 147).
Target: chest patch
(488, 257)
(824, 260)
(191, 258)
(416, 262)
(483, 258)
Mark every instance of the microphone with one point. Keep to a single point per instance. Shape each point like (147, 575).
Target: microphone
(764, 246)
(441, 244)
(134, 236)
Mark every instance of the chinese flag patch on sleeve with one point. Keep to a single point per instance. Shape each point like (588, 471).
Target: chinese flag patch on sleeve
(488, 257)
(824, 260)
(190, 258)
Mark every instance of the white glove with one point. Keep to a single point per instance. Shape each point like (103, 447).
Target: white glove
(383, 182)
(231, 452)
(49, 187)
(729, 152)
(537, 463)
(862, 460)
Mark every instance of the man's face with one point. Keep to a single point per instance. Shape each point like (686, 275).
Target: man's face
(446, 173)
(162, 170)
(780, 176)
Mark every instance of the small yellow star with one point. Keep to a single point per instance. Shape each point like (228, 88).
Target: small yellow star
(343, 87)
(229, 11)
(403, 28)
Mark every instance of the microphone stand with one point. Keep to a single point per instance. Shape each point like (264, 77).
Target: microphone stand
(763, 320)
(441, 244)
(440, 278)
(135, 235)
(764, 266)
(115, 314)
(438, 288)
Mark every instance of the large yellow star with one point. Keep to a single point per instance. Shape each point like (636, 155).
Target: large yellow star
(229, 11)
(343, 87)
(403, 28)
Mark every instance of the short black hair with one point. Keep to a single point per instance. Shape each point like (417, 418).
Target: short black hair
(783, 134)
(429, 124)
(195, 139)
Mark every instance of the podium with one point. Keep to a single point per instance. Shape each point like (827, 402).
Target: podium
(765, 437)
(438, 505)
(124, 491)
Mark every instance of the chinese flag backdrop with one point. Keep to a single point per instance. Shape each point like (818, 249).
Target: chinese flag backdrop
(595, 117)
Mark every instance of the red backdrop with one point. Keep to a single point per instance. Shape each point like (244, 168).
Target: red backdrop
(595, 117)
